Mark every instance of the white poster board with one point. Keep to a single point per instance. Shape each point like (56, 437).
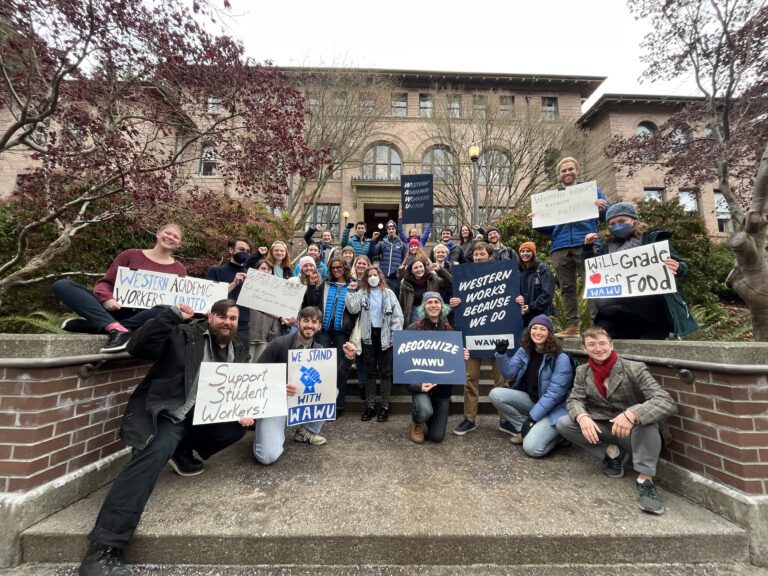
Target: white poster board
(145, 289)
(572, 204)
(227, 392)
(271, 294)
(635, 272)
(313, 371)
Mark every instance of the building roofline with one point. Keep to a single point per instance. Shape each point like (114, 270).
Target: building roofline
(586, 84)
(658, 99)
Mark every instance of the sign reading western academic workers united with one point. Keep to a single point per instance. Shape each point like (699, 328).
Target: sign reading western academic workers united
(417, 198)
(634, 272)
(560, 206)
(146, 289)
(426, 356)
(488, 312)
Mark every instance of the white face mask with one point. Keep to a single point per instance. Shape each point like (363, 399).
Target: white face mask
(373, 281)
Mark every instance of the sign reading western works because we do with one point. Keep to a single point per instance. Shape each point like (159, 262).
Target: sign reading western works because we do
(634, 272)
(145, 289)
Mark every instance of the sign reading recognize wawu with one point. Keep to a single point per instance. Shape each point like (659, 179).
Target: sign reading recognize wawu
(271, 294)
(572, 204)
(145, 289)
(313, 371)
(227, 392)
(435, 357)
(634, 272)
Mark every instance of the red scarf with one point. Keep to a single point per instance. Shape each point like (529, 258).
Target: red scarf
(602, 371)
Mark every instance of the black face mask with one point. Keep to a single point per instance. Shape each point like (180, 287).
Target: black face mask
(241, 258)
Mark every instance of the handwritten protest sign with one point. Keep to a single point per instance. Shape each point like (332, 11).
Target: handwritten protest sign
(227, 392)
(435, 357)
(145, 289)
(313, 370)
(271, 294)
(573, 204)
(634, 272)
(488, 311)
(417, 197)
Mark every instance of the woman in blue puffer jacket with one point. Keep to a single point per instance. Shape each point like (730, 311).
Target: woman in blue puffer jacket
(542, 377)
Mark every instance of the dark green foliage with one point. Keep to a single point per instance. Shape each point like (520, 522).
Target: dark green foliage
(38, 322)
(516, 229)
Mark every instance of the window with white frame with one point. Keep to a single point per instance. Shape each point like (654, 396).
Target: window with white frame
(399, 104)
(479, 105)
(453, 105)
(438, 161)
(653, 194)
(208, 161)
(382, 162)
(367, 104)
(506, 105)
(425, 105)
(325, 216)
(444, 217)
(549, 109)
(213, 105)
(495, 168)
(689, 200)
(723, 213)
(646, 129)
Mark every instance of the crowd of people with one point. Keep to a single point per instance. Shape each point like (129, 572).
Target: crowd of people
(358, 294)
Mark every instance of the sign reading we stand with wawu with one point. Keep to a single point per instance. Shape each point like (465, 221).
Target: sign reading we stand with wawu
(146, 289)
(639, 271)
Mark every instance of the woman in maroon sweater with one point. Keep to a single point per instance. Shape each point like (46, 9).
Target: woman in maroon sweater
(99, 311)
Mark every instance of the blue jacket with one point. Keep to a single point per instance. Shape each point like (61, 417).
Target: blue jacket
(571, 235)
(390, 254)
(554, 385)
(361, 247)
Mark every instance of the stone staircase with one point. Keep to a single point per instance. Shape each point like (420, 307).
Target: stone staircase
(371, 502)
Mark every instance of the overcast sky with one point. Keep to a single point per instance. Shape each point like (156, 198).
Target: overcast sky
(579, 37)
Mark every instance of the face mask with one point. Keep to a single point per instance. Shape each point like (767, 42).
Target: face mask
(622, 230)
(373, 281)
(241, 257)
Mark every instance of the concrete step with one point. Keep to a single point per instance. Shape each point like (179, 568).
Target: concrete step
(370, 497)
(706, 569)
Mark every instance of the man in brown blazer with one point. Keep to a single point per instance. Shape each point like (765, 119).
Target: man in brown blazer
(617, 409)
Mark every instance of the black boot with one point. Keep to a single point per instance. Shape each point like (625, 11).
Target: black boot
(103, 560)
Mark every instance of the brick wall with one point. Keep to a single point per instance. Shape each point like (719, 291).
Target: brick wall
(53, 422)
(721, 428)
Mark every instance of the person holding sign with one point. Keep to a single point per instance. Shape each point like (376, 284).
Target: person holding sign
(431, 403)
(651, 317)
(99, 310)
(537, 289)
(158, 421)
(264, 327)
(542, 376)
(616, 410)
(380, 316)
(567, 240)
(270, 432)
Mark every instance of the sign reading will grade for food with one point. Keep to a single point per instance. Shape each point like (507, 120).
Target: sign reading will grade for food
(635, 272)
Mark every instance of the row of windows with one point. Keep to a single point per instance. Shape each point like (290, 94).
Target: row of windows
(480, 106)
(689, 200)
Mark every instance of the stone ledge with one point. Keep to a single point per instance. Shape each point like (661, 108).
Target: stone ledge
(49, 345)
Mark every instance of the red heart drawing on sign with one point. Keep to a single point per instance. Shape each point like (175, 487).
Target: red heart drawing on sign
(595, 278)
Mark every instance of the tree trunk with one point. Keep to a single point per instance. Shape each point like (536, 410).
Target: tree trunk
(749, 277)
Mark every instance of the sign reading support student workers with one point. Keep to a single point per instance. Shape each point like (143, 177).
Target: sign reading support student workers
(435, 357)
(488, 312)
(634, 272)
(572, 204)
(145, 289)
(227, 392)
(271, 294)
(417, 198)
(313, 371)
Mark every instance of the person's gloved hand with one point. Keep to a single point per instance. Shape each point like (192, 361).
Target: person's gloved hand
(502, 346)
(526, 427)
(351, 225)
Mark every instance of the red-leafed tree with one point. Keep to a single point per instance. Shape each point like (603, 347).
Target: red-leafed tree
(723, 135)
(120, 105)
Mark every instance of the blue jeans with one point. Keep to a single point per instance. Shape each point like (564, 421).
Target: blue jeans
(78, 298)
(432, 411)
(336, 340)
(516, 405)
(270, 437)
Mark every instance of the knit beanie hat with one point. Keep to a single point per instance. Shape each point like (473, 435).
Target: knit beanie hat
(622, 209)
(428, 295)
(414, 242)
(542, 320)
(530, 245)
(306, 260)
(491, 229)
(391, 224)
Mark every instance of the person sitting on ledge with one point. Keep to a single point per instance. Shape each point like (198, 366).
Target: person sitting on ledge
(158, 421)
(100, 311)
(616, 409)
